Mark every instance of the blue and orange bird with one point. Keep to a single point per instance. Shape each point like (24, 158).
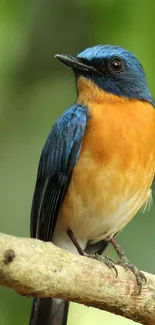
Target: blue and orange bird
(97, 165)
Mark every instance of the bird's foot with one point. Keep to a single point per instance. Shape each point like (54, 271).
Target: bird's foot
(140, 277)
(108, 261)
(124, 262)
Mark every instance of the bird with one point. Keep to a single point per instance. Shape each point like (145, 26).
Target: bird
(97, 165)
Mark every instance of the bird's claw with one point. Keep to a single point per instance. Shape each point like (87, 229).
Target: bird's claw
(107, 260)
(140, 277)
(111, 264)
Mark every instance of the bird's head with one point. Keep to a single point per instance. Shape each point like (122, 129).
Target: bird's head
(112, 69)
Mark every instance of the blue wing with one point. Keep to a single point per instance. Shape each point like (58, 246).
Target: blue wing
(58, 158)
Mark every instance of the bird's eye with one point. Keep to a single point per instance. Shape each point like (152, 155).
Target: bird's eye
(115, 65)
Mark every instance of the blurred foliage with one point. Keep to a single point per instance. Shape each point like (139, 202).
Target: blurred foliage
(35, 89)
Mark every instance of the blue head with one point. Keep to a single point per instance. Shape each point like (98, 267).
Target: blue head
(113, 69)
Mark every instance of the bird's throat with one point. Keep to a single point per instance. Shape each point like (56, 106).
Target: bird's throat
(89, 92)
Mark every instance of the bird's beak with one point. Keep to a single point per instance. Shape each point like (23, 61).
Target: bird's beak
(74, 62)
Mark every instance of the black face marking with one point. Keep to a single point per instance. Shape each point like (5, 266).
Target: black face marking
(106, 66)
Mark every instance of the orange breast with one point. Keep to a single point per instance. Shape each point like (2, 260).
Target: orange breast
(112, 178)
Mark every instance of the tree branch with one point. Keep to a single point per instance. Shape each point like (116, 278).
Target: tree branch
(35, 268)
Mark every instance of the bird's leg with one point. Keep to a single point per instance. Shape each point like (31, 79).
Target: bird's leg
(123, 261)
(75, 242)
(105, 259)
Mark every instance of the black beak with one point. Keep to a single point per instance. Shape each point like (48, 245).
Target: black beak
(74, 62)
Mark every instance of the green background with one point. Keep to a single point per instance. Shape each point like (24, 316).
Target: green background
(35, 88)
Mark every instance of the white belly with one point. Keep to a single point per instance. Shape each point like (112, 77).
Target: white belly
(90, 227)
